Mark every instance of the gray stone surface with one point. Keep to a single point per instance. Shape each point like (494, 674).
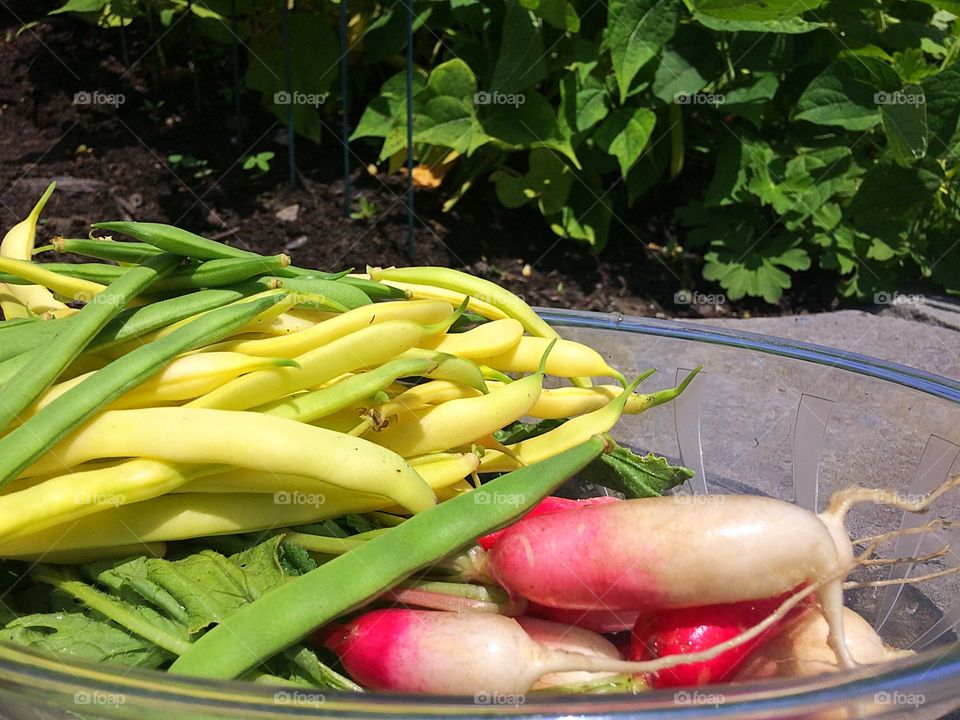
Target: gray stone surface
(923, 336)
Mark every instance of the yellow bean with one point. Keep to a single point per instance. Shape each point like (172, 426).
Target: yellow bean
(568, 359)
(423, 312)
(184, 516)
(429, 292)
(187, 377)
(458, 422)
(490, 339)
(261, 442)
(369, 346)
(76, 495)
(23, 301)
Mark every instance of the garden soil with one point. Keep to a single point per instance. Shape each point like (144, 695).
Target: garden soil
(112, 160)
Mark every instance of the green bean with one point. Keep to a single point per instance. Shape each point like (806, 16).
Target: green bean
(374, 290)
(326, 401)
(292, 611)
(136, 322)
(17, 322)
(212, 273)
(93, 272)
(182, 242)
(30, 381)
(13, 365)
(104, 249)
(29, 441)
(338, 291)
(24, 337)
(215, 273)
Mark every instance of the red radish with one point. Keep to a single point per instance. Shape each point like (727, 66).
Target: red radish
(686, 630)
(548, 505)
(432, 651)
(800, 648)
(600, 621)
(565, 637)
(670, 552)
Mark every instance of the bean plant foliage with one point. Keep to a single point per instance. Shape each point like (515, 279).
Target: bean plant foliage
(820, 134)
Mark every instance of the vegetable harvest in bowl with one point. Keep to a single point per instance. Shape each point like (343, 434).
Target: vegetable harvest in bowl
(227, 466)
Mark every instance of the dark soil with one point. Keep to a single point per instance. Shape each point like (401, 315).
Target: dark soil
(113, 163)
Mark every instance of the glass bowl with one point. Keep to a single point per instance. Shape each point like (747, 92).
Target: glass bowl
(766, 416)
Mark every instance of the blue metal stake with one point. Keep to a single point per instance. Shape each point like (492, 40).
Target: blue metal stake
(288, 80)
(236, 71)
(410, 248)
(345, 108)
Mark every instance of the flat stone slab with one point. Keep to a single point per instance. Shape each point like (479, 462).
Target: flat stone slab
(922, 336)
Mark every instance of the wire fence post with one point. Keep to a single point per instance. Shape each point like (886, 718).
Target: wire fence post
(288, 83)
(345, 108)
(192, 58)
(124, 51)
(235, 52)
(410, 244)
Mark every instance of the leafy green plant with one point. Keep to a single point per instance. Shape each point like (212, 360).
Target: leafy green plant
(366, 209)
(259, 163)
(196, 167)
(830, 128)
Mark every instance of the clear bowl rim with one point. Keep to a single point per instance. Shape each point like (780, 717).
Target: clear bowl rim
(45, 678)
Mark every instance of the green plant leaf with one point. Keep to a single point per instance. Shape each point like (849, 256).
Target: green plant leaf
(81, 636)
(686, 64)
(445, 111)
(753, 10)
(529, 124)
(905, 123)
(388, 108)
(890, 196)
(952, 6)
(313, 68)
(548, 182)
(561, 14)
(846, 93)
(942, 93)
(625, 134)
(520, 64)
(636, 31)
(634, 475)
(586, 217)
(789, 26)
(750, 99)
(80, 6)
(591, 108)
